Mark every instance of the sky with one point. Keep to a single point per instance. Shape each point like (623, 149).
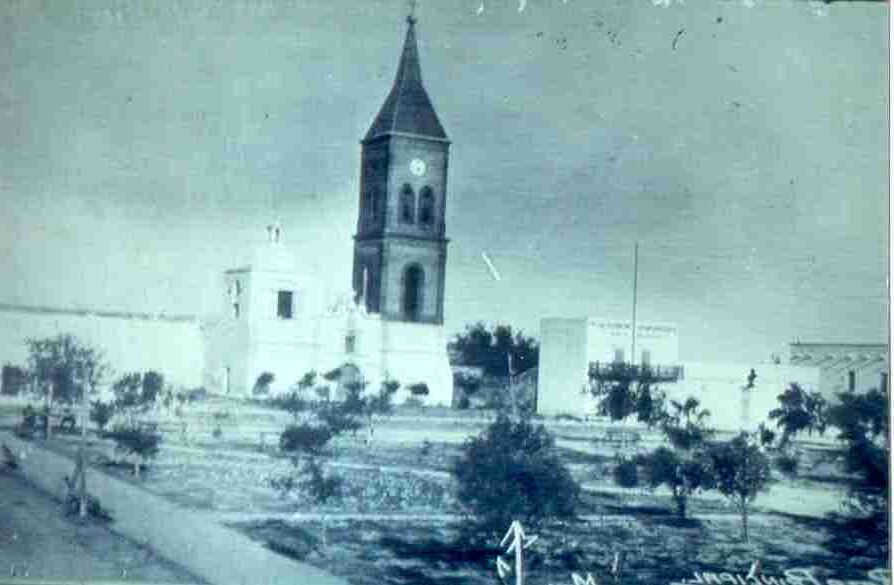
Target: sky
(144, 146)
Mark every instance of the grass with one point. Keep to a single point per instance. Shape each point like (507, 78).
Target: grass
(412, 477)
(652, 550)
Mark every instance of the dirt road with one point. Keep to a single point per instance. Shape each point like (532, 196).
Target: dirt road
(38, 542)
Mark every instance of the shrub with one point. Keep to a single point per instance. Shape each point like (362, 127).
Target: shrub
(418, 389)
(787, 464)
(101, 413)
(684, 473)
(262, 384)
(153, 384)
(320, 486)
(305, 438)
(13, 380)
(30, 422)
(140, 443)
(626, 473)
(512, 472)
(413, 402)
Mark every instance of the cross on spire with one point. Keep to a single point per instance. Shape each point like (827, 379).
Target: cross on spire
(411, 17)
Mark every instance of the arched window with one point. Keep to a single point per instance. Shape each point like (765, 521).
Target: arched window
(411, 303)
(426, 206)
(407, 204)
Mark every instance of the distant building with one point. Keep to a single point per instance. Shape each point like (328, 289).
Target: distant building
(855, 367)
(571, 348)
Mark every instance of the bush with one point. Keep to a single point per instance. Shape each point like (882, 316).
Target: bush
(787, 464)
(321, 487)
(13, 380)
(30, 423)
(512, 472)
(137, 442)
(101, 413)
(262, 384)
(413, 402)
(305, 438)
(626, 473)
(153, 384)
(418, 389)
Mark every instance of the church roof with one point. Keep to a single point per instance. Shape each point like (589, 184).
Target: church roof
(408, 109)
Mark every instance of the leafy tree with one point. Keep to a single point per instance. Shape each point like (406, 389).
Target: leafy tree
(862, 423)
(488, 348)
(799, 411)
(623, 390)
(63, 369)
(511, 471)
(740, 470)
(682, 473)
(142, 444)
(134, 394)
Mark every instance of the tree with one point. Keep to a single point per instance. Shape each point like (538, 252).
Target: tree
(101, 413)
(511, 471)
(14, 380)
(63, 369)
(681, 468)
(623, 390)
(798, 411)
(488, 348)
(134, 395)
(141, 444)
(740, 471)
(862, 423)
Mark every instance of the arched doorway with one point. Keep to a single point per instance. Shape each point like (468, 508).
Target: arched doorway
(413, 281)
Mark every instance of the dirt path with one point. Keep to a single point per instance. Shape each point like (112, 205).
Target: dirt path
(38, 542)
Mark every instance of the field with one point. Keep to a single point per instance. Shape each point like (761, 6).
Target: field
(398, 520)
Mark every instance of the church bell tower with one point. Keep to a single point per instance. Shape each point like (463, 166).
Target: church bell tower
(400, 248)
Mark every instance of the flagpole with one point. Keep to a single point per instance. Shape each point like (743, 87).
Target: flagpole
(633, 323)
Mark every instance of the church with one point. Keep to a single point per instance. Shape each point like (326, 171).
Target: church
(277, 319)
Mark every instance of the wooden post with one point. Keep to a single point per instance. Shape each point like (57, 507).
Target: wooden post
(82, 458)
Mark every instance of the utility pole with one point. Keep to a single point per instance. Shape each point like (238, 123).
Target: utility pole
(633, 323)
(512, 396)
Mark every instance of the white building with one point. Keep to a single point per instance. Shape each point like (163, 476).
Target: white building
(278, 319)
(570, 347)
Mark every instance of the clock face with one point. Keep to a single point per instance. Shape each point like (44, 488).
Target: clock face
(417, 167)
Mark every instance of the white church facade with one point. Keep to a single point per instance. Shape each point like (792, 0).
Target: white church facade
(389, 325)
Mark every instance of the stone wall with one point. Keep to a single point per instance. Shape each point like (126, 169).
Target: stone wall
(171, 345)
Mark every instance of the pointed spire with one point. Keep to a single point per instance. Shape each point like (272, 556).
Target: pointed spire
(408, 109)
